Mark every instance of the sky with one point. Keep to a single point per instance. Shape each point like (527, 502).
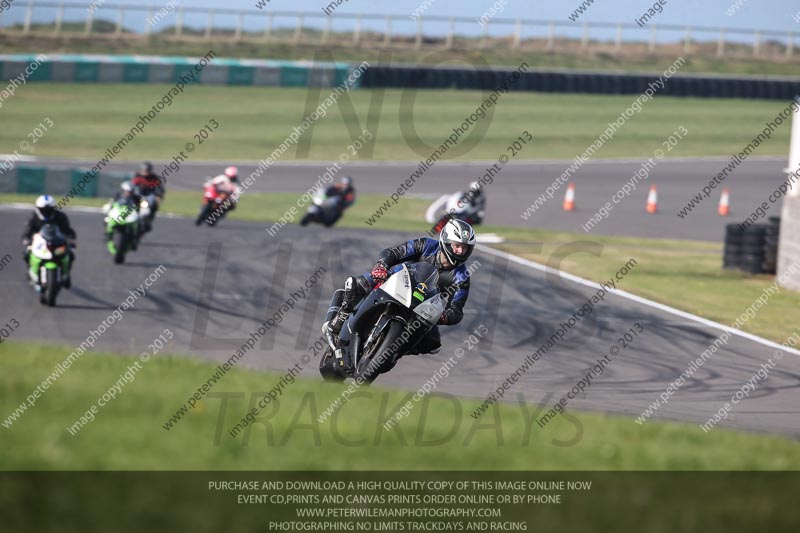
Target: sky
(772, 15)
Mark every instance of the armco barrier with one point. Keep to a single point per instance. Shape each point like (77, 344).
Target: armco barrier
(25, 179)
(155, 69)
(565, 81)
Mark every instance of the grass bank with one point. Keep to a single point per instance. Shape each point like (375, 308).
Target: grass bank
(89, 118)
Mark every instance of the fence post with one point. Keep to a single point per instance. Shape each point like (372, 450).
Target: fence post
(59, 18)
(618, 39)
(652, 46)
(485, 36)
(721, 43)
(268, 29)
(179, 23)
(357, 31)
(756, 43)
(209, 23)
(687, 40)
(585, 36)
(790, 45)
(327, 31)
(418, 39)
(148, 20)
(387, 37)
(298, 31)
(450, 33)
(237, 34)
(28, 17)
(551, 36)
(517, 34)
(120, 19)
(88, 28)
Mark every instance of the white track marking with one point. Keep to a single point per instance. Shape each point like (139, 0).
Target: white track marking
(639, 299)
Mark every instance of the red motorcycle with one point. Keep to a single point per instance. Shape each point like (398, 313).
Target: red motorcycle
(216, 204)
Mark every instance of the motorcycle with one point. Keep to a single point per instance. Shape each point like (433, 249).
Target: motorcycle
(385, 325)
(147, 213)
(453, 209)
(216, 204)
(48, 263)
(324, 209)
(122, 228)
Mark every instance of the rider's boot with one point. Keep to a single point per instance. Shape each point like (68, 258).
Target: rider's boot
(343, 303)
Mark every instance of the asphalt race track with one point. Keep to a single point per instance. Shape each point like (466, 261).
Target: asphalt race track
(221, 282)
(520, 183)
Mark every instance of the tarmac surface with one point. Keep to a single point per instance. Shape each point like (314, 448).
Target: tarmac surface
(220, 283)
(520, 183)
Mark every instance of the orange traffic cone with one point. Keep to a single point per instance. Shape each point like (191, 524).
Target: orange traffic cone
(652, 200)
(569, 198)
(724, 203)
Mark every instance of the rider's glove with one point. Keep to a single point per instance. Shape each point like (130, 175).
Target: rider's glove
(443, 319)
(379, 272)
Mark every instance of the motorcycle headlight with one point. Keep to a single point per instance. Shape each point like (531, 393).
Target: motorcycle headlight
(145, 203)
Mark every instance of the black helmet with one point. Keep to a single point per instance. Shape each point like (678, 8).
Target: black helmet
(146, 168)
(457, 231)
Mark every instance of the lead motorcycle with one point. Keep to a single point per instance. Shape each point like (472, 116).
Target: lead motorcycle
(48, 262)
(385, 325)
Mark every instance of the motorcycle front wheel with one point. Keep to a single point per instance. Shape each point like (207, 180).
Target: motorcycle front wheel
(51, 289)
(120, 245)
(382, 357)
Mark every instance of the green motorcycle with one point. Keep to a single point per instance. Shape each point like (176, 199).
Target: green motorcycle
(48, 263)
(122, 229)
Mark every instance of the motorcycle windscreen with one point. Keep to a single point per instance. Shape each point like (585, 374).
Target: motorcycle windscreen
(416, 286)
(425, 294)
(398, 286)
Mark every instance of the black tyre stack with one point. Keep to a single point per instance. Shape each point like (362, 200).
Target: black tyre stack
(754, 249)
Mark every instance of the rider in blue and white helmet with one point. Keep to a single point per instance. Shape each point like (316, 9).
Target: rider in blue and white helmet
(448, 253)
(46, 212)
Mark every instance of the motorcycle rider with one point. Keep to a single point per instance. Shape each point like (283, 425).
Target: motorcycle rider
(468, 205)
(344, 190)
(346, 193)
(130, 197)
(148, 181)
(448, 254)
(45, 212)
(228, 182)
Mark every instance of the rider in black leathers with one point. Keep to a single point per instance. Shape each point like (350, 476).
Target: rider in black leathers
(449, 254)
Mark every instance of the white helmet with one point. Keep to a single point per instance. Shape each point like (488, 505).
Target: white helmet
(457, 231)
(126, 186)
(475, 188)
(45, 207)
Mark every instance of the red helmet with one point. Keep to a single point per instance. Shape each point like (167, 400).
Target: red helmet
(232, 173)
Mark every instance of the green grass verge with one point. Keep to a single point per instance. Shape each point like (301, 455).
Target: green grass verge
(127, 433)
(632, 58)
(687, 275)
(89, 118)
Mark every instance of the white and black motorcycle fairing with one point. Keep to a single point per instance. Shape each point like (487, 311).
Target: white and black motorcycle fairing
(386, 324)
